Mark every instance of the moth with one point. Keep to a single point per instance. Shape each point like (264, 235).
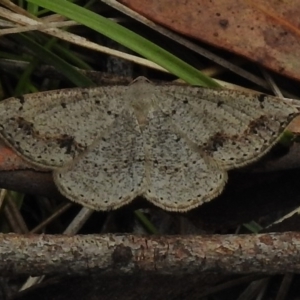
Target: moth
(172, 144)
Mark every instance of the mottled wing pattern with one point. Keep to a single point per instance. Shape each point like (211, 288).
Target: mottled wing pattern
(172, 144)
(110, 173)
(179, 175)
(51, 128)
(232, 127)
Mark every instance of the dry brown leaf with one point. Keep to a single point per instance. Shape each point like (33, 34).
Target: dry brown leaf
(265, 31)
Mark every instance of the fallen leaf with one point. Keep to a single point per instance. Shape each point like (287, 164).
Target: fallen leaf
(265, 31)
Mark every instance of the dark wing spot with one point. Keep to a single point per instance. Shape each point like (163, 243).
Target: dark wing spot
(67, 142)
(26, 126)
(63, 105)
(220, 103)
(259, 123)
(215, 142)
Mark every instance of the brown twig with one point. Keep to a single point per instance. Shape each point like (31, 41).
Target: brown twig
(129, 254)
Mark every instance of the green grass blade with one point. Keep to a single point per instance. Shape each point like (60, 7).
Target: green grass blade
(46, 55)
(128, 39)
(146, 223)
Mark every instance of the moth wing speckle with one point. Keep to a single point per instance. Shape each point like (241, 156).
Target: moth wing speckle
(110, 173)
(172, 144)
(232, 127)
(179, 175)
(49, 129)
